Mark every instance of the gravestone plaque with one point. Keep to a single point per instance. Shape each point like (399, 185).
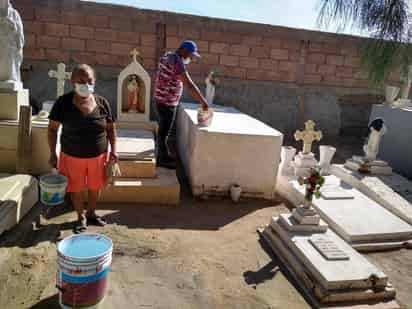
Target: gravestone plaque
(328, 248)
(335, 193)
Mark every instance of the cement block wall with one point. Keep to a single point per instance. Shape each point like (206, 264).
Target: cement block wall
(280, 75)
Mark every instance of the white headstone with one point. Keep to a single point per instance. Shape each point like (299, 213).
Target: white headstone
(11, 51)
(61, 75)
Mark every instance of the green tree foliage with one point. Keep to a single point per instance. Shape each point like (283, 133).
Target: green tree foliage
(388, 24)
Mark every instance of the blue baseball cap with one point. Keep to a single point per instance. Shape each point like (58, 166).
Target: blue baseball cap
(191, 46)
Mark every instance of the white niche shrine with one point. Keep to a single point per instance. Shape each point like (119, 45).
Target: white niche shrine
(133, 92)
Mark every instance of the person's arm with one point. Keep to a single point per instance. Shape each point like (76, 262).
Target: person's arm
(111, 135)
(52, 138)
(193, 89)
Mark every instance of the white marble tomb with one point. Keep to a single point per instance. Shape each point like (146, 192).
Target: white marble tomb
(356, 218)
(337, 277)
(235, 149)
(393, 192)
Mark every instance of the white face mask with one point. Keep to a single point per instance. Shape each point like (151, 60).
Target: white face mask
(84, 90)
(186, 61)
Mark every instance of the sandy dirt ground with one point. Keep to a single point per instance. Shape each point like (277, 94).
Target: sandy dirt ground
(201, 254)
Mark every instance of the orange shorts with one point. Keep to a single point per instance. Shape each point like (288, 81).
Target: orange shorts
(84, 172)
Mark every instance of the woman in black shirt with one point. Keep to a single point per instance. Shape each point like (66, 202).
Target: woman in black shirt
(87, 129)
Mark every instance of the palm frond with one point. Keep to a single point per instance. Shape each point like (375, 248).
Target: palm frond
(388, 23)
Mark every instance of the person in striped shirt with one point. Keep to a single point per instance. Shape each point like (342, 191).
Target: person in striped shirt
(172, 75)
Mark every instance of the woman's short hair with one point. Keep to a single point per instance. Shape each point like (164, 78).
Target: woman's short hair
(84, 68)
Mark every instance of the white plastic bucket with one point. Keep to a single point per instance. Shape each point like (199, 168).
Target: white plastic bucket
(83, 265)
(52, 189)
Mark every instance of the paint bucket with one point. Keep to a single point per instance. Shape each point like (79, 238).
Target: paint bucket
(83, 264)
(204, 117)
(52, 189)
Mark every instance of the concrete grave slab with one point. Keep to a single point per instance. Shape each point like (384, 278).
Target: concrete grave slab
(235, 149)
(350, 283)
(18, 194)
(135, 144)
(393, 192)
(358, 221)
(163, 189)
(137, 153)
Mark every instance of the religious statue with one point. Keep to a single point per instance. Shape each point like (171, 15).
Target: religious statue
(308, 136)
(11, 42)
(377, 130)
(212, 80)
(133, 98)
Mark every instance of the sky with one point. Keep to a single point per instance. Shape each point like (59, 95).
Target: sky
(290, 13)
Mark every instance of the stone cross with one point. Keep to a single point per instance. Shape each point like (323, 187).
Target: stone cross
(134, 53)
(61, 75)
(308, 136)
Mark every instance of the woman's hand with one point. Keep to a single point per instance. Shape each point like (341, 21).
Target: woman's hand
(53, 160)
(114, 157)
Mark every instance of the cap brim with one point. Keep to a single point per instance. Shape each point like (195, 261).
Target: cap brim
(196, 54)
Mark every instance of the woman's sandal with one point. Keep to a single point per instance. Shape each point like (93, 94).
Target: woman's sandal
(96, 220)
(80, 226)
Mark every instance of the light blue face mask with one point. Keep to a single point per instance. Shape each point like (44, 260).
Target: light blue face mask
(84, 90)
(187, 60)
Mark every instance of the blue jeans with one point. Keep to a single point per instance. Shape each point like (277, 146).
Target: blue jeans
(166, 138)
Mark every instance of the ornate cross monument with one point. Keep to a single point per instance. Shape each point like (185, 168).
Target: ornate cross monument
(308, 136)
(305, 160)
(61, 75)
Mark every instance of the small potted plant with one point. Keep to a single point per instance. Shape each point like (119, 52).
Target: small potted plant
(313, 183)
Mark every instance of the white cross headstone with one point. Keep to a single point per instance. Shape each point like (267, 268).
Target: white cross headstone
(134, 53)
(61, 75)
(308, 136)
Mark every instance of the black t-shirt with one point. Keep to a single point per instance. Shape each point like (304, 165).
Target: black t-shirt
(83, 136)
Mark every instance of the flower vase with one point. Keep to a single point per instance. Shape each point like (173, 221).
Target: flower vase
(287, 154)
(326, 155)
(308, 204)
(235, 192)
(391, 92)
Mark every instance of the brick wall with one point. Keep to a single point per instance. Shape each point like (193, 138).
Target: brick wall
(73, 31)
(103, 35)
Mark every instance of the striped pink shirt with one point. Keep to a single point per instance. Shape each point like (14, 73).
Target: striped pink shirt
(168, 87)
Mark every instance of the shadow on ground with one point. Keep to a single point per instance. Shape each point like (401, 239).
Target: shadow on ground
(190, 215)
(47, 303)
